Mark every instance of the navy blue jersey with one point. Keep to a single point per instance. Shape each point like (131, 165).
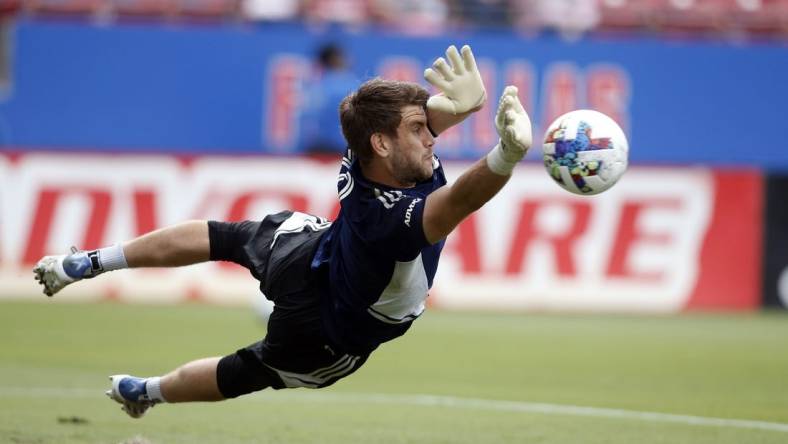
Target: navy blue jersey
(378, 263)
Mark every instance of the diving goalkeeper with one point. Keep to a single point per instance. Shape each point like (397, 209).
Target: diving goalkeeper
(340, 288)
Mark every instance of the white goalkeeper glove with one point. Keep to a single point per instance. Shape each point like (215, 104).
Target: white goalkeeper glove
(514, 129)
(459, 82)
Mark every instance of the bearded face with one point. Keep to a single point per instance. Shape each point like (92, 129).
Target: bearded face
(411, 156)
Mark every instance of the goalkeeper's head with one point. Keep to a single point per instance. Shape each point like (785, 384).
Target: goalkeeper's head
(376, 108)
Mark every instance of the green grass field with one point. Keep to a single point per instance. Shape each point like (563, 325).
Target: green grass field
(455, 377)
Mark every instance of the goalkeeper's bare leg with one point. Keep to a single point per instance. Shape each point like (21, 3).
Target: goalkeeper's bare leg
(182, 244)
(193, 381)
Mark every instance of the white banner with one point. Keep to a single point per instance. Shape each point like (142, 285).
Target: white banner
(636, 247)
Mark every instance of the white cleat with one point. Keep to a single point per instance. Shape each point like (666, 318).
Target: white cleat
(131, 394)
(55, 272)
(50, 273)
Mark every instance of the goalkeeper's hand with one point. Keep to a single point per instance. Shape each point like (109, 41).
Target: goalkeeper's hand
(514, 129)
(459, 82)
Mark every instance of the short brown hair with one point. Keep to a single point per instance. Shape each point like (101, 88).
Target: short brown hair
(376, 108)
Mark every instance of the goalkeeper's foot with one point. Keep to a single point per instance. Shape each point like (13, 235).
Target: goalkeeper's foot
(55, 272)
(131, 393)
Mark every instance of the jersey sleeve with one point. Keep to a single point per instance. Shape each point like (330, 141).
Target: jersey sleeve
(393, 223)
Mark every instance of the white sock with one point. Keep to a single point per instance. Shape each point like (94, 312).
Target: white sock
(112, 258)
(153, 387)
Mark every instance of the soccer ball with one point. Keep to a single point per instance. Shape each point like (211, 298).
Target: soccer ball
(585, 152)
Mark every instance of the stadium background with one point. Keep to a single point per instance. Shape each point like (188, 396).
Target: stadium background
(203, 115)
(120, 116)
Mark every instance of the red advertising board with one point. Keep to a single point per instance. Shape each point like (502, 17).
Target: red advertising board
(661, 240)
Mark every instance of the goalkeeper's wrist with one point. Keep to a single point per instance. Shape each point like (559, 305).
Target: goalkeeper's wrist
(498, 163)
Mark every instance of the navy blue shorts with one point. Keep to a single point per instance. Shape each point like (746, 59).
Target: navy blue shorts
(295, 352)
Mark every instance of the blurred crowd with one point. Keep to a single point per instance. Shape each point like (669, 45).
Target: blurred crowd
(570, 18)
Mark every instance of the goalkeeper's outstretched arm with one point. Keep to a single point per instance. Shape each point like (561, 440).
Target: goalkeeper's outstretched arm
(448, 206)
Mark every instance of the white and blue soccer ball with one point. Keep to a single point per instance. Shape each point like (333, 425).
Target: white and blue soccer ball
(585, 152)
